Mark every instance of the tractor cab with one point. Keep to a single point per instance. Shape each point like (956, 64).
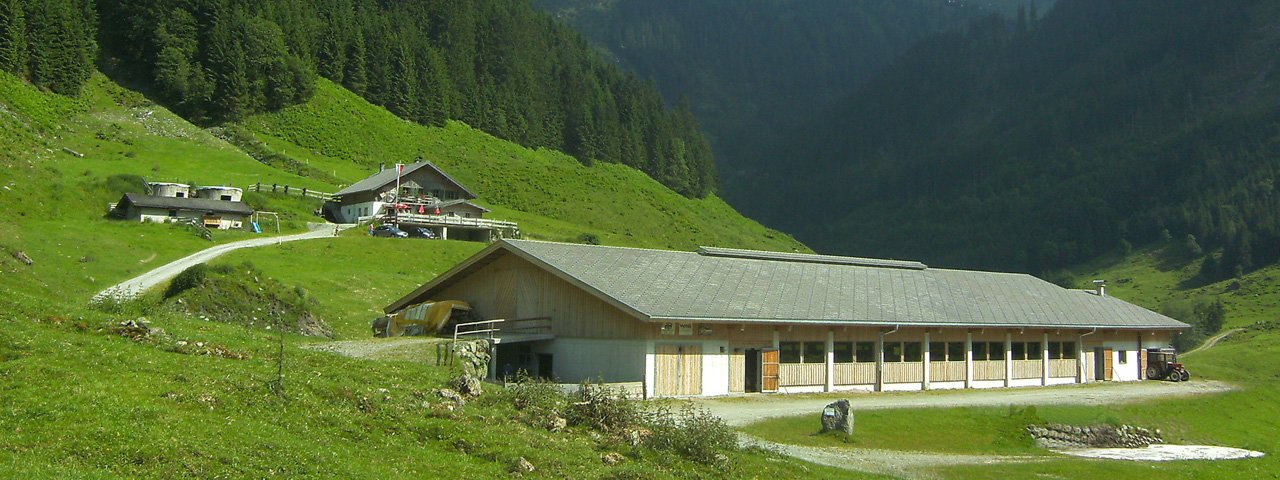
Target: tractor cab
(1162, 364)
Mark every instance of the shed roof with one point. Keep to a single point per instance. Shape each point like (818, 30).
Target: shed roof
(381, 179)
(186, 203)
(661, 285)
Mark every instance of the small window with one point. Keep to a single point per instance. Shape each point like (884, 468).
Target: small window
(814, 352)
(1069, 350)
(1055, 350)
(995, 351)
(226, 198)
(173, 213)
(180, 194)
(893, 352)
(937, 352)
(955, 351)
(842, 351)
(1018, 350)
(864, 352)
(789, 352)
(1034, 351)
(980, 351)
(912, 352)
(1123, 355)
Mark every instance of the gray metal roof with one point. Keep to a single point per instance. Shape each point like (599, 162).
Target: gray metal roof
(187, 203)
(668, 285)
(450, 203)
(380, 179)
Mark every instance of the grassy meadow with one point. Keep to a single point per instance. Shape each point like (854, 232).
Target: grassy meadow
(86, 398)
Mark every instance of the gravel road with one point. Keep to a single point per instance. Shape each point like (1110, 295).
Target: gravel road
(128, 289)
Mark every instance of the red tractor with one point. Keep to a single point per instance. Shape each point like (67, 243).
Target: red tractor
(1162, 363)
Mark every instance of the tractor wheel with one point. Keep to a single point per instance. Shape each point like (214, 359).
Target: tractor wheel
(1153, 373)
(1174, 377)
(1184, 375)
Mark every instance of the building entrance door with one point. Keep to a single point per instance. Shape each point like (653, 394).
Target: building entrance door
(751, 373)
(769, 370)
(677, 370)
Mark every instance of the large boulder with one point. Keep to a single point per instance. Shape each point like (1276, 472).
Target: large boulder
(836, 417)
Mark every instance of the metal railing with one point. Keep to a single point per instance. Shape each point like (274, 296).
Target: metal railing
(287, 190)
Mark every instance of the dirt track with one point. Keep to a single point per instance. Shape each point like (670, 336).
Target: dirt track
(128, 289)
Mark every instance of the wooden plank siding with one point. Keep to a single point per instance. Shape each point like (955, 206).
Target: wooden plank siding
(801, 374)
(903, 372)
(946, 371)
(1028, 369)
(512, 288)
(855, 373)
(988, 370)
(737, 371)
(1060, 368)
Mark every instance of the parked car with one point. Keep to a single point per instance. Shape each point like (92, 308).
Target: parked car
(421, 232)
(389, 231)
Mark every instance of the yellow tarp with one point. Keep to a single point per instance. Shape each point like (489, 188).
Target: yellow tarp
(432, 315)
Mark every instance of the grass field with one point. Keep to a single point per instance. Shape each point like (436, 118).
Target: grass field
(82, 401)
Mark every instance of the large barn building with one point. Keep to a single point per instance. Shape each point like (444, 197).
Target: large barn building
(720, 321)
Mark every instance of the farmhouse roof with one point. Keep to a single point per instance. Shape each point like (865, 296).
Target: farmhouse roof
(385, 177)
(450, 203)
(740, 286)
(186, 203)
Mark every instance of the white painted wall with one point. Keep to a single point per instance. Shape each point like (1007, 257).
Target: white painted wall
(578, 359)
(715, 366)
(1128, 371)
(158, 215)
(352, 213)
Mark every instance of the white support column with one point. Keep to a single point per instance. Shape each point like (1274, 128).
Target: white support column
(1044, 359)
(1008, 358)
(925, 384)
(776, 341)
(831, 360)
(880, 363)
(444, 233)
(968, 360)
(1081, 367)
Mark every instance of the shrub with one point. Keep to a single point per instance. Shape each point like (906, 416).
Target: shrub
(691, 432)
(602, 408)
(537, 396)
(188, 279)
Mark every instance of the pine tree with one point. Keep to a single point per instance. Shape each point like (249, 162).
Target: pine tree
(13, 37)
(354, 76)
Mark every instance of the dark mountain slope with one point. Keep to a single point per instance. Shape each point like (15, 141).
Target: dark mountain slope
(1107, 123)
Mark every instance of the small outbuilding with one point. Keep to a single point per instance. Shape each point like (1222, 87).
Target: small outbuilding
(720, 321)
(212, 213)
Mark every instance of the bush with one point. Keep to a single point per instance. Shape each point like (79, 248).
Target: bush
(692, 432)
(602, 408)
(190, 278)
(537, 396)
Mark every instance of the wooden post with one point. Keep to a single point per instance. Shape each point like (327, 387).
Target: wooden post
(926, 358)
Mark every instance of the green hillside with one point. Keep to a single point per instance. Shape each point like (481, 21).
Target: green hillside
(87, 398)
(552, 195)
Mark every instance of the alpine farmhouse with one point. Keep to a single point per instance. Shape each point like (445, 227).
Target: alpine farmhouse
(721, 321)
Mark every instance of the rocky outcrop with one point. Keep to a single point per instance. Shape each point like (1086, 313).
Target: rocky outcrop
(1059, 436)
